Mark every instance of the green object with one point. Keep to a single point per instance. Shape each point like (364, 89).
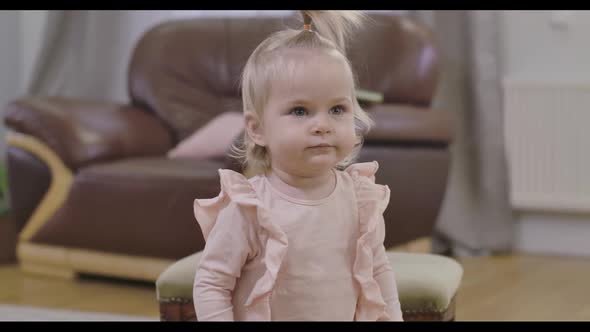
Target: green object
(4, 208)
(366, 96)
(425, 282)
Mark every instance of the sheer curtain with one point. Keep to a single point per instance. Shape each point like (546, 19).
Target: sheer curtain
(85, 53)
(9, 64)
(476, 218)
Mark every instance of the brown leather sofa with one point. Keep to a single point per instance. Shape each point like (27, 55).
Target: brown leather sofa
(93, 192)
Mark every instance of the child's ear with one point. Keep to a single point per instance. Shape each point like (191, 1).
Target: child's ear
(254, 128)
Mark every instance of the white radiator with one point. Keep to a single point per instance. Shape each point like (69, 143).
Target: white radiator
(547, 133)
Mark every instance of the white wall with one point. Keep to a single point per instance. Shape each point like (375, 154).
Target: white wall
(553, 45)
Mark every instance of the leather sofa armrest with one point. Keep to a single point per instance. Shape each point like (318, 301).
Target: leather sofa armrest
(82, 132)
(405, 123)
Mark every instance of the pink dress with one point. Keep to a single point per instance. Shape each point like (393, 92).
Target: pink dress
(269, 256)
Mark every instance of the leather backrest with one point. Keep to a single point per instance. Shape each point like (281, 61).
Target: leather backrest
(187, 71)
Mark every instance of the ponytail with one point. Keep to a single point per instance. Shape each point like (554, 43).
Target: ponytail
(335, 25)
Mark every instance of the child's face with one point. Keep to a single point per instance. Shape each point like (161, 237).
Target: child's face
(308, 121)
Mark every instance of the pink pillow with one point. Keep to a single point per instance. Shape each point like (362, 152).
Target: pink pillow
(211, 140)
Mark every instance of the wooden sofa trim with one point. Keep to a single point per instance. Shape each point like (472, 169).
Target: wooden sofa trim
(61, 181)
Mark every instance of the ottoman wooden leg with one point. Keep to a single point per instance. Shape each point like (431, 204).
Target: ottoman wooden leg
(177, 311)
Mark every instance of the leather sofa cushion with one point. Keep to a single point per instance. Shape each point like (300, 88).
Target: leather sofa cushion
(407, 123)
(140, 206)
(417, 180)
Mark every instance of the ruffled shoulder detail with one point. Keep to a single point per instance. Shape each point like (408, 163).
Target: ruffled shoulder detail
(372, 200)
(366, 170)
(235, 187)
(363, 177)
(233, 184)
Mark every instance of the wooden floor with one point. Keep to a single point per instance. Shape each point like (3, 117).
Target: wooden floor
(525, 288)
(507, 288)
(84, 293)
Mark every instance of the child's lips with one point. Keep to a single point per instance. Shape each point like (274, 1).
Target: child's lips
(320, 147)
(323, 145)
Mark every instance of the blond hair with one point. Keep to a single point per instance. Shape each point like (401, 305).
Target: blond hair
(323, 30)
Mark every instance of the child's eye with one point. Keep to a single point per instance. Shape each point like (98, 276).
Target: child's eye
(298, 111)
(337, 110)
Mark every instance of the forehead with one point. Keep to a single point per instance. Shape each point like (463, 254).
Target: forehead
(309, 72)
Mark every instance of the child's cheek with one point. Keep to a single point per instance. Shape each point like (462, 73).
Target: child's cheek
(350, 140)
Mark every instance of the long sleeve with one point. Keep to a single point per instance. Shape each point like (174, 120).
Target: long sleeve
(384, 275)
(373, 199)
(229, 245)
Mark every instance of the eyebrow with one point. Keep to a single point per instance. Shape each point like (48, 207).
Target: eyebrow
(332, 101)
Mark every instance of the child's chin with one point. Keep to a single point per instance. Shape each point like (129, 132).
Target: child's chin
(323, 162)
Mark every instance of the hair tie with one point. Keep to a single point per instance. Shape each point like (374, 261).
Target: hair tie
(306, 22)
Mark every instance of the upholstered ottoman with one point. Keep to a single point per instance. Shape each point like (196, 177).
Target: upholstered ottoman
(427, 286)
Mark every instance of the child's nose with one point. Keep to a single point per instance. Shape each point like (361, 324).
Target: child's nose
(322, 131)
(322, 125)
